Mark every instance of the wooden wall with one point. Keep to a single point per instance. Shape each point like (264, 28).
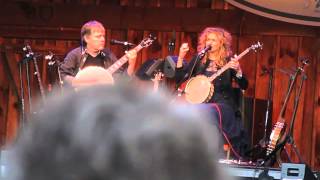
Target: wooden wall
(54, 26)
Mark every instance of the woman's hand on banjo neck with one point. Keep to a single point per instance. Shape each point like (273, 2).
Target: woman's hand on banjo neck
(234, 64)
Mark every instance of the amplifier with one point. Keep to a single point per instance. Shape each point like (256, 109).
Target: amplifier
(248, 172)
(288, 171)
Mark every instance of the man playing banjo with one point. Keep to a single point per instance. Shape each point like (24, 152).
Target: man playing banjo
(93, 54)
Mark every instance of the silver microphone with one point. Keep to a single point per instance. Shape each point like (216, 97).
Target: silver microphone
(124, 43)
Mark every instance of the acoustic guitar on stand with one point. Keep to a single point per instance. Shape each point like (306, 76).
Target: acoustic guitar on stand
(280, 127)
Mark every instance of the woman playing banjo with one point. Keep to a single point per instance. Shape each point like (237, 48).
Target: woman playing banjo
(214, 59)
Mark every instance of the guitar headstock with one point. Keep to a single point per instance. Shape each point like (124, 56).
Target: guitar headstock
(148, 41)
(256, 46)
(27, 50)
(304, 63)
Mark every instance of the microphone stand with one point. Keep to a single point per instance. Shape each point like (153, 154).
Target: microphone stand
(188, 75)
(178, 92)
(22, 102)
(261, 145)
(60, 78)
(26, 62)
(54, 62)
(171, 46)
(289, 138)
(270, 85)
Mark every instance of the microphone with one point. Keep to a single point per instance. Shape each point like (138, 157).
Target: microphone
(205, 50)
(124, 43)
(172, 42)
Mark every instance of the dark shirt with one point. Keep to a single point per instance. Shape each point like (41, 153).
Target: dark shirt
(76, 60)
(223, 90)
(94, 61)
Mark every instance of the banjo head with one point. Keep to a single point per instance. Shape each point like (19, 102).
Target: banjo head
(92, 75)
(198, 90)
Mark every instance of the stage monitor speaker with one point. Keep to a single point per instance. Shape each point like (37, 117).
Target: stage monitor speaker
(169, 67)
(296, 171)
(148, 69)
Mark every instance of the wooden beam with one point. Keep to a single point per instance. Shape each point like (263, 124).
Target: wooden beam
(55, 22)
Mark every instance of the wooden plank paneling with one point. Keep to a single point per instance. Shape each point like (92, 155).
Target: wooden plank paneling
(136, 37)
(4, 99)
(12, 112)
(192, 3)
(142, 18)
(316, 120)
(286, 61)
(261, 25)
(155, 50)
(180, 3)
(298, 120)
(204, 4)
(218, 4)
(192, 40)
(305, 136)
(167, 3)
(264, 70)
(248, 63)
(265, 61)
(13, 117)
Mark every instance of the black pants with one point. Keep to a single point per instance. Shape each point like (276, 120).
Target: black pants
(230, 125)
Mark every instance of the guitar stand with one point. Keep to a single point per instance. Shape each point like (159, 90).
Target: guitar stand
(25, 61)
(54, 62)
(22, 101)
(289, 138)
(271, 158)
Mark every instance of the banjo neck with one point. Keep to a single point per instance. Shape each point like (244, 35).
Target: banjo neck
(144, 43)
(227, 66)
(113, 68)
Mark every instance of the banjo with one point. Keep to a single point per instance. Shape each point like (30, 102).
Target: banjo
(94, 75)
(200, 89)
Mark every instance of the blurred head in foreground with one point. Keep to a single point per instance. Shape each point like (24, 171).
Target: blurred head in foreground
(116, 133)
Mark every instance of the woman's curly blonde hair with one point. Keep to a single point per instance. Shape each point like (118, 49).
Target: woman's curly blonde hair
(223, 36)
